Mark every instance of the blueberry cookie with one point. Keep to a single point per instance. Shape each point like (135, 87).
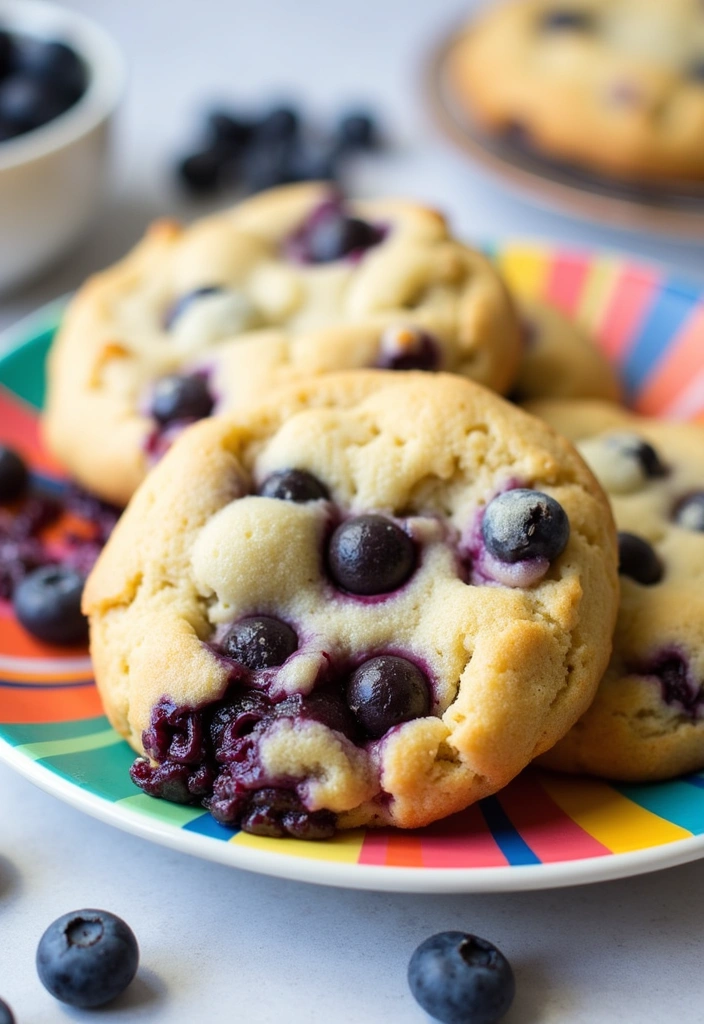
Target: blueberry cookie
(647, 721)
(559, 360)
(371, 600)
(612, 86)
(304, 283)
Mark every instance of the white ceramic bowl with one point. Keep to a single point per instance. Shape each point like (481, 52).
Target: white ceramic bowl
(51, 178)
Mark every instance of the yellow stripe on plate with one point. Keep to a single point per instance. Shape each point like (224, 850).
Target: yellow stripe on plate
(525, 269)
(344, 847)
(612, 819)
(75, 745)
(597, 291)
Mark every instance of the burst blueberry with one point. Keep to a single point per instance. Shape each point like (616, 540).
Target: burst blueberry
(13, 474)
(637, 448)
(386, 691)
(522, 524)
(293, 485)
(335, 235)
(461, 979)
(689, 511)
(638, 559)
(87, 958)
(47, 602)
(260, 641)
(179, 307)
(181, 398)
(370, 554)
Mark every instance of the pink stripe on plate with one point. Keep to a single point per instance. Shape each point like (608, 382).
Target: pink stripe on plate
(627, 310)
(689, 403)
(462, 841)
(565, 281)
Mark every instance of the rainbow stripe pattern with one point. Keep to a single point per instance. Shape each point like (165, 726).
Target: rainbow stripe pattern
(652, 326)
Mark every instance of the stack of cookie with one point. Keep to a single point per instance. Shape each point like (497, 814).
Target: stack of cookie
(362, 593)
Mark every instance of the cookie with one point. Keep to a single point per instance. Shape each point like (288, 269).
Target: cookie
(615, 87)
(304, 284)
(647, 721)
(371, 600)
(559, 360)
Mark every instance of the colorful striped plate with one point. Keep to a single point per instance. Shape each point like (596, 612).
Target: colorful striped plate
(541, 831)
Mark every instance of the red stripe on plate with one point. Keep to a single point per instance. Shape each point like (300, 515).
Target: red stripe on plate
(462, 841)
(565, 281)
(626, 311)
(19, 428)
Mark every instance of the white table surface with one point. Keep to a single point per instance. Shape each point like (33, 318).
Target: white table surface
(219, 944)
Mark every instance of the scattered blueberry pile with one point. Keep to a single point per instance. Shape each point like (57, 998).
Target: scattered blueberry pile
(211, 754)
(254, 153)
(46, 590)
(461, 979)
(39, 79)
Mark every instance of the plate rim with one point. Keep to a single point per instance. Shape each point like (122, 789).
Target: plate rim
(348, 875)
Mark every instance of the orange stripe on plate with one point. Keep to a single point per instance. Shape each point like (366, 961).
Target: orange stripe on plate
(675, 370)
(59, 704)
(404, 850)
(626, 311)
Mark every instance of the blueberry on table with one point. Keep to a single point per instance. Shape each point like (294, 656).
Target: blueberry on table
(6, 1014)
(177, 308)
(200, 172)
(232, 134)
(87, 958)
(278, 124)
(638, 560)
(266, 164)
(461, 979)
(370, 555)
(386, 691)
(13, 474)
(689, 511)
(293, 485)
(27, 103)
(47, 602)
(309, 162)
(181, 398)
(522, 524)
(357, 130)
(260, 641)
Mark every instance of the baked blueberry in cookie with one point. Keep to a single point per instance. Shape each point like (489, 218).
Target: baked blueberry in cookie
(304, 620)
(647, 720)
(293, 283)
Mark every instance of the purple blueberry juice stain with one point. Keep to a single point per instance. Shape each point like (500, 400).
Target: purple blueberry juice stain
(678, 686)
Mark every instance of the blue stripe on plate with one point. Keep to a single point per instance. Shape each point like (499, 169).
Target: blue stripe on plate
(672, 305)
(206, 825)
(514, 849)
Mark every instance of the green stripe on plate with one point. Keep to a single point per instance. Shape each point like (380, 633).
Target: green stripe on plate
(21, 369)
(172, 814)
(73, 745)
(104, 771)
(41, 732)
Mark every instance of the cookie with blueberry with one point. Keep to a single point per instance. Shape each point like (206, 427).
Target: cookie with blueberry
(292, 283)
(370, 600)
(647, 721)
(611, 87)
(559, 359)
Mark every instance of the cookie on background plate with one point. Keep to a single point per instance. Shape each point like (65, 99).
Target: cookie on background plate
(290, 283)
(615, 87)
(559, 359)
(370, 600)
(647, 721)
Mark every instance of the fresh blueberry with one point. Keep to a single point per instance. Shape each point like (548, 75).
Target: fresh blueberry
(334, 236)
(637, 448)
(567, 20)
(408, 348)
(637, 559)
(6, 1014)
(181, 398)
(279, 124)
(177, 308)
(266, 164)
(13, 475)
(55, 64)
(27, 103)
(385, 691)
(522, 523)
(370, 555)
(689, 511)
(200, 172)
(461, 979)
(357, 130)
(87, 958)
(293, 485)
(230, 133)
(311, 162)
(47, 602)
(260, 641)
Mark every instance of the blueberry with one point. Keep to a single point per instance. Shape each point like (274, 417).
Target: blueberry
(278, 124)
(229, 133)
(637, 559)
(47, 602)
(567, 20)
(385, 691)
(334, 236)
(689, 511)
(7, 52)
(13, 474)
(522, 523)
(370, 555)
(27, 103)
(181, 398)
(200, 172)
(408, 348)
(313, 163)
(279, 812)
(637, 448)
(677, 684)
(55, 64)
(696, 70)
(260, 641)
(293, 485)
(267, 164)
(87, 958)
(6, 1014)
(461, 979)
(184, 301)
(357, 130)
